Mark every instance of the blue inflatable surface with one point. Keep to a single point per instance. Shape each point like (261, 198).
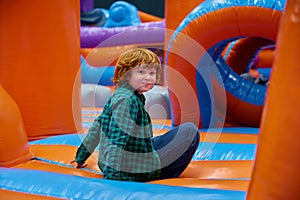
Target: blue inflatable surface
(205, 151)
(75, 187)
(96, 75)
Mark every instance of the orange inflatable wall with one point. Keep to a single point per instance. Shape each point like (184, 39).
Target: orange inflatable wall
(176, 11)
(40, 60)
(276, 171)
(14, 147)
(146, 17)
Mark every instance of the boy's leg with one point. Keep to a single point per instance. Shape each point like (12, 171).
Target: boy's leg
(176, 149)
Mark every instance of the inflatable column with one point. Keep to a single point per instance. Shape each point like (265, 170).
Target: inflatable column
(276, 171)
(14, 147)
(40, 60)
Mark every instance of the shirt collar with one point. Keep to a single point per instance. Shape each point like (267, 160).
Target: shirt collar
(140, 96)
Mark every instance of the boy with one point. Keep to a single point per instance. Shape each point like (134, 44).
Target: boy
(127, 149)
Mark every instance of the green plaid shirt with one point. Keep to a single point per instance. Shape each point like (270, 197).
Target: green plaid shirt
(123, 132)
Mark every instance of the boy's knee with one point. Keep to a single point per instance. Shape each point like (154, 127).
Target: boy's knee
(191, 131)
(190, 125)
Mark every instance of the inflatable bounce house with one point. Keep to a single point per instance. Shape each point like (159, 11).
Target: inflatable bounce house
(56, 63)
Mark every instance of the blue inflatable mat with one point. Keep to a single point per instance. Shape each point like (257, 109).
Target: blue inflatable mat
(75, 187)
(225, 151)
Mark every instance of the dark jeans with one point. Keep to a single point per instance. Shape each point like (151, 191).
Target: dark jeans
(176, 149)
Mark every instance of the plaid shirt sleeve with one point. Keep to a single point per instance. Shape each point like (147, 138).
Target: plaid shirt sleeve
(89, 143)
(122, 124)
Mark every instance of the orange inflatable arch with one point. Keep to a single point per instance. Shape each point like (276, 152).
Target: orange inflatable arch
(206, 26)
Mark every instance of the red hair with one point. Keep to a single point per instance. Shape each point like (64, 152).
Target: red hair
(134, 58)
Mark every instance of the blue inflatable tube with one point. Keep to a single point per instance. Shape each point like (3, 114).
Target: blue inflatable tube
(96, 75)
(122, 13)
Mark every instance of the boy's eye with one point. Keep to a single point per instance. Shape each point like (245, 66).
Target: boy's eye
(141, 71)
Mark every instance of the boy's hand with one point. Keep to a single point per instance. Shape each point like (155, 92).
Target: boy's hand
(77, 165)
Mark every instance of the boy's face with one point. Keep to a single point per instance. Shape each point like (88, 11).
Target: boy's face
(142, 79)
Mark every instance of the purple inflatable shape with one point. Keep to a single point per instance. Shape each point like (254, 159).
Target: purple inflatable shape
(150, 32)
(86, 5)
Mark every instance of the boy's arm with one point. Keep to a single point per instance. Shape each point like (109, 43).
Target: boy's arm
(89, 143)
